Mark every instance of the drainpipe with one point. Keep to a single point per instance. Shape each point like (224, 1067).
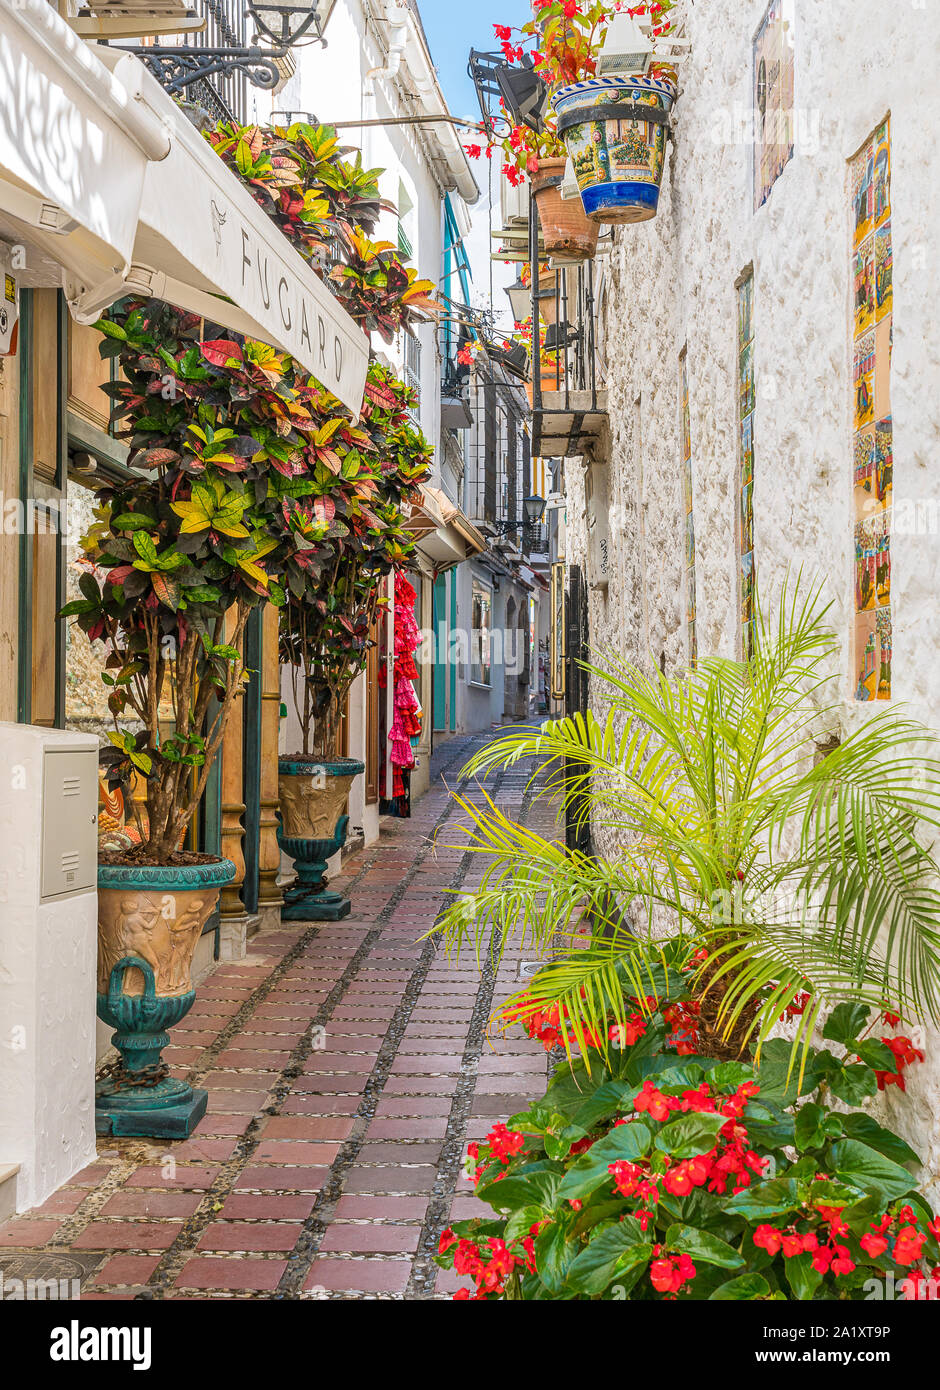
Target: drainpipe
(397, 16)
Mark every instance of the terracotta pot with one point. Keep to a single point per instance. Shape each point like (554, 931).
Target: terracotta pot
(567, 234)
(617, 159)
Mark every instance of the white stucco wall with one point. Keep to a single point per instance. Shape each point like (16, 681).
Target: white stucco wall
(671, 282)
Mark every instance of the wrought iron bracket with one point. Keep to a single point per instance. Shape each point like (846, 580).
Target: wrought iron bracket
(178, 68)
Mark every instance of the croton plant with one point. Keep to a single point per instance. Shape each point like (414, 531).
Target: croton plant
(249, 482)
(650, 1171)
(356, 536)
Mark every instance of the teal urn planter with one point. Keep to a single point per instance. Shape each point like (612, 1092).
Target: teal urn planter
(314, 816)
(150, 919)
(615, 130)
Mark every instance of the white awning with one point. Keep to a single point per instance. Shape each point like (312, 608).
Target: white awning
(74, 144)
(103, 175)
(443, 535)
(205, 244)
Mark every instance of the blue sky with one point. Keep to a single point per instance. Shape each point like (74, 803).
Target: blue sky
(453, 27)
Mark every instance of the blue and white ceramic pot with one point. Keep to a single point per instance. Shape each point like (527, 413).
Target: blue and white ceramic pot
(150, 919)
(314, 812)
(615, 132)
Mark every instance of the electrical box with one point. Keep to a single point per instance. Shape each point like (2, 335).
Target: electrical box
(69, 860)
(597, 509)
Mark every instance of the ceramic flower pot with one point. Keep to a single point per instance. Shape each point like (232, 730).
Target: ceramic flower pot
(314, 798)
(615, 131)
(568, 236)
(149, 922)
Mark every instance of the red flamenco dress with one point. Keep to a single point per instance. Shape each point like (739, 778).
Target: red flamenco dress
(406, 720)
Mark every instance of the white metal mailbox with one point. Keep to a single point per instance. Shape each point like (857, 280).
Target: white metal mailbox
(69, 822)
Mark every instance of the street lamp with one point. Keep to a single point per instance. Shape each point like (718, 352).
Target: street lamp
(284, 22)
(533, 509)
(520, 301)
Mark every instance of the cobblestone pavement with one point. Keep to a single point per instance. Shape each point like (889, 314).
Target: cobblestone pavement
(347, 1068)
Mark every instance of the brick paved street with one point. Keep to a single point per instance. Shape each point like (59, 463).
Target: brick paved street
(320, 1170)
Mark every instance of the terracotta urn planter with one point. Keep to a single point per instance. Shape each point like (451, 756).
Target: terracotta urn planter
(150, 919)
(314, 815)
(615, 131)
(568, 235)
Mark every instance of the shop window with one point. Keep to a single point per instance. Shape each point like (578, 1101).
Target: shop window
(873, 460)
(685, 443)
(480, 633)
(746, 404)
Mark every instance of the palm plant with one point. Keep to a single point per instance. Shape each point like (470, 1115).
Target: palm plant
(793, 863)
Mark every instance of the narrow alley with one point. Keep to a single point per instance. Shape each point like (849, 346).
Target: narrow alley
(347, 1066)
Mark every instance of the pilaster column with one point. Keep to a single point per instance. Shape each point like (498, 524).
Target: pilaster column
(269, 853)
(233, 806)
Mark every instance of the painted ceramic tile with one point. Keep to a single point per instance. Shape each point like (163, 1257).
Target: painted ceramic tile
(883, 347)
(883, 569)
(866, 657)
(865, 286)
(745, 311)
(884, 294)
(747, 588)
(864, 467)
(746, 379)
(864, 569)
(883, 628)
(747, 450)
(882, 175)
(863, 193)
(884, 459)
(747, 517)
(863, 377)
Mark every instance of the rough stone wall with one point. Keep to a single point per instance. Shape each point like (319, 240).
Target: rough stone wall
(671, 282)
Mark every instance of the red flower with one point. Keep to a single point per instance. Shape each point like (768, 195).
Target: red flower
(502, 31)
(768, 1238)
(447, 1240)
(873, 1245)
(842, 1262)
(504, 1143)
(909, 1245)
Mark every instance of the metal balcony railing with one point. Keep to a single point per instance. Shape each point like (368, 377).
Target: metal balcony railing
(569, 402)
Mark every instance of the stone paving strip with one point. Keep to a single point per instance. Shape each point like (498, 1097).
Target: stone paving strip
(347, 1066)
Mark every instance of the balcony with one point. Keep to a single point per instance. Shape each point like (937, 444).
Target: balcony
(455, 396)
(569, 403)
